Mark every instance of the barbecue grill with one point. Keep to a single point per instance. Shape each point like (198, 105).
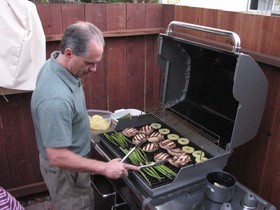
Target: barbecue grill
(212, 95)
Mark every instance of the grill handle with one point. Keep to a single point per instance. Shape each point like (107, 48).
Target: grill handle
(232, 35)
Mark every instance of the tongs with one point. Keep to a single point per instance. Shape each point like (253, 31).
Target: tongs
(152, 164)
(132, 150)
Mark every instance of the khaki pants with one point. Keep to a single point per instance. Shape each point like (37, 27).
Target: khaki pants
(68, 190)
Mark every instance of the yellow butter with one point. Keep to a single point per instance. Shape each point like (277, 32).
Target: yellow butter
(97, 122)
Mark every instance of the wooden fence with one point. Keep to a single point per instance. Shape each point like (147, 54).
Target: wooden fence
(128, 77)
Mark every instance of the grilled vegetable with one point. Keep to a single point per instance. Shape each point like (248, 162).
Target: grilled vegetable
(198, 153)
(164, 170)
(164, 131)
(153, 173)
(156, 125)
(138, 157)
(172, 136)
(200, 159)
(117, 139)
(188, 149)
(183, 141)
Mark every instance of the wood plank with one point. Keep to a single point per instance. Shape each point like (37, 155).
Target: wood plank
(96, 14)
(228, 21)
(95, 86)
(255, 29)
(5, 176)
(118, 33)
(71, 13)
(26, 190)
(30, 141)
(275, 43)
(247, 159)
(273, 77)
(136, 18)
(154, 15)
(135, 67)
(116, 64)
(51, 18)
(244, 33)
(270, 181)
(265, 36)
(210, 19)
(152, 72)
(16, 131)
(134, 32)
(116, 16)
(168, 14)
(189, 15)
(51, 47)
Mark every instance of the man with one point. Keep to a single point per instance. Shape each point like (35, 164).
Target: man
(61, 120)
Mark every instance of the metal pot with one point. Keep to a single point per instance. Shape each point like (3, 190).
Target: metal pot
(220, 186)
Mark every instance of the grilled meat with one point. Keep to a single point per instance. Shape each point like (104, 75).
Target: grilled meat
(161, 156)
(155, 137)
(130, 132)
(147, 130)
(150, 147)
(167, 144)
(138, 138)
(175, 151)
(181, 160)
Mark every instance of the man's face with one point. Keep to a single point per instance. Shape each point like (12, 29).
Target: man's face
(81, 66)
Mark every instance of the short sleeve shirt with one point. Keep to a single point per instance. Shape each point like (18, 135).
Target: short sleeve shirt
(59, 111)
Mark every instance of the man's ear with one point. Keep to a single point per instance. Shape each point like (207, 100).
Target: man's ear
(68, 52)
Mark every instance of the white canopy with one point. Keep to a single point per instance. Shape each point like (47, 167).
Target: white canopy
(22, 44)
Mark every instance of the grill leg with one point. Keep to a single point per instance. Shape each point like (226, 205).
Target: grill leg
(116, 205)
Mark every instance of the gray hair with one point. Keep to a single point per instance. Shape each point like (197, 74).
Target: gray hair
(77, 37)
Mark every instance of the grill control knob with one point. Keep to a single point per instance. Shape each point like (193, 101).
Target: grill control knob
(249, 201)
(226, 206)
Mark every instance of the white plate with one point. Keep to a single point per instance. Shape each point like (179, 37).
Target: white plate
(122, 112)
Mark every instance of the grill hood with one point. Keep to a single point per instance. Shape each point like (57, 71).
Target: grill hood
(223, 92)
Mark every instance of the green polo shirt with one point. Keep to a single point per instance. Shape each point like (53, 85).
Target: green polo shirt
(59, 111)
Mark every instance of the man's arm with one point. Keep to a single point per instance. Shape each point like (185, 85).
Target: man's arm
(64, 158)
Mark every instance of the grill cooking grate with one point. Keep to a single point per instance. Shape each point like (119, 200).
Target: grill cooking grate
(153, 182)
(181, 123)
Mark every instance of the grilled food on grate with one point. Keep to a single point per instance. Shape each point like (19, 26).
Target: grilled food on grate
(155, 137)
(181, 160)
(147, 130)
(150, 147)
(161, 156)
(130, 132)
(167, 144)
(139, 138)
(176, 151)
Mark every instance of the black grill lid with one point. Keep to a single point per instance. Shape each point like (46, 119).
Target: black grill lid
(222, 91)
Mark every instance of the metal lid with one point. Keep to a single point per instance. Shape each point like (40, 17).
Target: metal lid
(222, 91)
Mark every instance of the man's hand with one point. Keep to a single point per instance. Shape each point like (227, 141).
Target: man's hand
(63, 158)
(115, 169)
